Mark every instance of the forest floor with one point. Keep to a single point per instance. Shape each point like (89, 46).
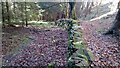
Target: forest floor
(34, 47)
(106, 48)
(48, 46)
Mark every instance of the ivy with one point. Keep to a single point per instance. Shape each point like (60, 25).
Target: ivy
(76, 47)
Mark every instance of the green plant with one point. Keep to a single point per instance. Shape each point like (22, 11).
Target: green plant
(81, 57)
(50, 65)
(25, 40)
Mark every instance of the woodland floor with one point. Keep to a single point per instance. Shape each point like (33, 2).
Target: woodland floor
(106, 48)
(34, 47)
(40, 47)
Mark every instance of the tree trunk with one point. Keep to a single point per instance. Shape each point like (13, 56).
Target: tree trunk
(3, 17)
(71, 4)
(26, 20)
(67, 10)
(22, 11)
(116, 25)
(8, 13)
(14, 3)
(118, 6)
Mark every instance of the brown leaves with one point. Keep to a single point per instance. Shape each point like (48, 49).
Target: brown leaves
(41, 50)
(105, 48)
